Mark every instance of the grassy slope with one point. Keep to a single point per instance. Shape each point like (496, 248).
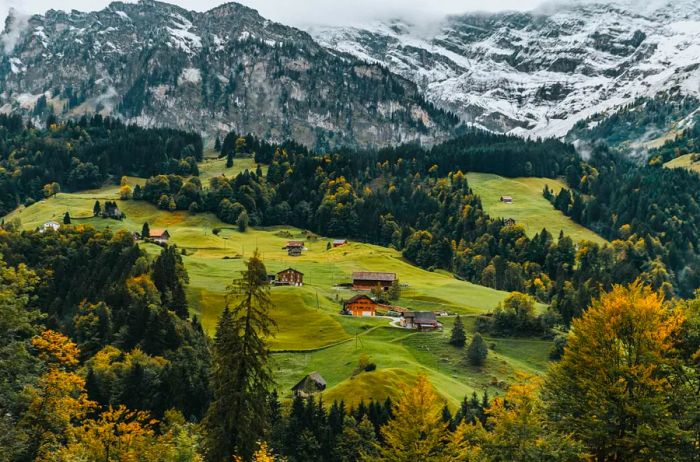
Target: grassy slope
(684, 161)
(529, 207)
(311, 334)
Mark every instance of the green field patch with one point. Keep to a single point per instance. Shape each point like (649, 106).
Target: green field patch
(529, 208)
(378, 385)
(685, 161)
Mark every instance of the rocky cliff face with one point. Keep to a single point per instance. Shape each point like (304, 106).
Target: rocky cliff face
(225, 69)
(539, 73)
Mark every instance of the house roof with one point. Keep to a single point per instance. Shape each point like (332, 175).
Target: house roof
(158, 232)
(295, 243)
(425, 317)
(358, 297)
(51, 223)
(314, 378)
(339, 241)
(290, 269)
(373, 276)
(505, 198)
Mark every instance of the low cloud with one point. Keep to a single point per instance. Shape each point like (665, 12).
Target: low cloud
(14, 23)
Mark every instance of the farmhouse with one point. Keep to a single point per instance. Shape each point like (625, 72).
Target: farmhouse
(360, 305)
(421, 320)
(507, 199)
(160, 235)
(366, 280)
(309, 385)
(339, 242)
(49, 225)
(290, 277)
(509, 221)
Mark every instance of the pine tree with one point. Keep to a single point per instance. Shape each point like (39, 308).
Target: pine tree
(477, 351)
(238, 416)
(229, 160)
(458, 338)
(66, 218)
(217, 144)
(145, 231)
(96, 209)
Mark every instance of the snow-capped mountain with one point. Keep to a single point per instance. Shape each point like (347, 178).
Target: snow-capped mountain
(225, 69)
(538, 73)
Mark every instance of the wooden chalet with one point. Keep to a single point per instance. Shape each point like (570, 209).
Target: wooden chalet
(159, 235)
(509, 221)
(367, 280)
(360, 305)
(507, 199)
(309, 385)
(339, 242)
(420, 320)
(290, 277)
(294, 248)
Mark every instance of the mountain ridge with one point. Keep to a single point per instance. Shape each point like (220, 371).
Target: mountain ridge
(225, 69)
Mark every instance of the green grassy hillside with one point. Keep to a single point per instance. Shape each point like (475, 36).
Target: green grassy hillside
(684, 161)
(529, 207)
(311, 334)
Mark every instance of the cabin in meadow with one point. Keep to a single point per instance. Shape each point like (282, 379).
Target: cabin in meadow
(309, 385)
(507, 199)
(360, 305)
(367, 280)
(160, 236)
(420, 320)
(509, 221)
(339, 242)
(294, 248)
(290, 277)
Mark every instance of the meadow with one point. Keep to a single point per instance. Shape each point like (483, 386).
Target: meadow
(684, 161)
(529, 208)
(311, 335)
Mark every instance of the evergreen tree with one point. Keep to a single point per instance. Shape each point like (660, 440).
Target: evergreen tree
(145, 231)
(217, 144)
(477, 351)
(394, 292)
(96, 209)
(66, 218)
(242, 221)
(458, 338)
(241, 381)
(229, 160)
(169, 276)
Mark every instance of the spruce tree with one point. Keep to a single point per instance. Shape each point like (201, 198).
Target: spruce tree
(217, 144)
(238, 416)
(66, 218)
(477, 351)
(145, 231)
(458, 338)
(96, 209)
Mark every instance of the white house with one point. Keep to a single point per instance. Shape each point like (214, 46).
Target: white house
(49, 225)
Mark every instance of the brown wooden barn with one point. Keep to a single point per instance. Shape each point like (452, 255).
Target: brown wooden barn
(367, 280)
(421, 320)
(309, 385)
(290, 277)
(360, 305)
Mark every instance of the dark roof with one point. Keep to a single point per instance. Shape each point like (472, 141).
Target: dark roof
(373, 276)
(290, 269)
(425, 317)
(313, 379)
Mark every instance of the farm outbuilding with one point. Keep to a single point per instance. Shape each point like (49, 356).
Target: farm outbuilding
(160, 235)
(507, 199)
(421, 320)
(367, 280)
(339, 242)
(309, 385)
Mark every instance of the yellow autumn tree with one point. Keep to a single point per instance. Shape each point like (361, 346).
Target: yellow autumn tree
(612, 388)
(519, 429)
(263, 454)
(417, 432)
(58, 400)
